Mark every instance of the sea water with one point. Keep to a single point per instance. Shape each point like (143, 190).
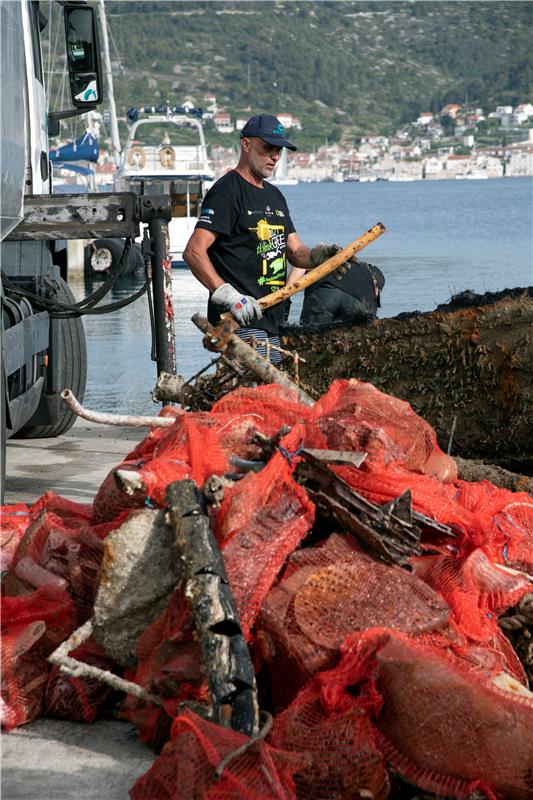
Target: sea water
(442, 237)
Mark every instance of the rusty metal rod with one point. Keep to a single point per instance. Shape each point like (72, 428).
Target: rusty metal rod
(221, 338)
(104, 418)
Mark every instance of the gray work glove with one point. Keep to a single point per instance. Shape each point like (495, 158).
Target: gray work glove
(243, 308)
(321, 252)
(343, 268)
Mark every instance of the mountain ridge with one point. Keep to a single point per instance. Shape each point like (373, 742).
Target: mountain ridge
(371, 65)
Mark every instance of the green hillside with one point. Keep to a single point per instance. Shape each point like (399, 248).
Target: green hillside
(342, 67)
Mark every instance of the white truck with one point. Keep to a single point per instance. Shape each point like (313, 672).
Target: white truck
(40, 353)
(43, 345)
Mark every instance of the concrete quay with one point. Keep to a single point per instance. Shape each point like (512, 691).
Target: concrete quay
(54, 759)
(73, 465)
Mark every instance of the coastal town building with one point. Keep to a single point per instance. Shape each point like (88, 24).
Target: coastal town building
(421, 150)
(450, 110)
(223, 123)
(522, 113)
(520, 158)
(288, 121)
(424, 118)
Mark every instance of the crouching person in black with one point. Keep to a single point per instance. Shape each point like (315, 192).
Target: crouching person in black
(349, 294)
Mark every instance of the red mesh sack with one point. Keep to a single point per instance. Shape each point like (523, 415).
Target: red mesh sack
(144, 450)
(70, 511)
(514, 523)
(190, 449)
(261, 521)
(476, 590)
(24, 674)
(78, 560)
(50, 513)
(242, 413)
(36, 536)
(169, 664)
(306, 617)
(272, 406)
(78, 698)
(64, 552)
(237, 434)
(429, 496)
(505, 522)
(492, 657)
(50, 605)
(185, 770)
(14, 520)
(343, 759)
(446, 728)
(32, 627)
(354, 415)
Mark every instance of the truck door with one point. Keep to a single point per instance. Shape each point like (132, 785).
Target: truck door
(37, 177)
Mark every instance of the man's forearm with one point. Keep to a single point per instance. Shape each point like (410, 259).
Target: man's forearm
(300, 257)
(295, 275)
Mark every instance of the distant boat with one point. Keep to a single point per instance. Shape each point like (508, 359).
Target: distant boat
(76, 159)
(152, 164)
(279, 177)
(338, 177)
(401, 178)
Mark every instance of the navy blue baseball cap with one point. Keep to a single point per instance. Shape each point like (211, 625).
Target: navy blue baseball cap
(267, 128)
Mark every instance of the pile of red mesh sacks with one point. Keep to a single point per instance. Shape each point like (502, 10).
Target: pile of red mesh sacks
(378, 677)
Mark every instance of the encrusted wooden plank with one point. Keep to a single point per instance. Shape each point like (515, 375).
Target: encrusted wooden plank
(226, 659)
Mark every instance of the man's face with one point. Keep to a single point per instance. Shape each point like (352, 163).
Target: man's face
(261, 156)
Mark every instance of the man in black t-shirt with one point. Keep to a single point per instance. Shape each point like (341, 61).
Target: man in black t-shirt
(245, 236)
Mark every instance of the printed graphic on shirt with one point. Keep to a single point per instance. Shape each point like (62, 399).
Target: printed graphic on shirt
(267, 212)
(206, 215)
(271, 248)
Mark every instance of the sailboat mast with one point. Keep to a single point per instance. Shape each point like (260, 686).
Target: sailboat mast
(115, 138)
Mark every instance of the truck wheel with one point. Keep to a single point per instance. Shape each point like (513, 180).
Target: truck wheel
(72, 371)
(103, 257)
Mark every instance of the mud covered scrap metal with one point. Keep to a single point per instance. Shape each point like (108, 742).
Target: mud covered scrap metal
(320, 564)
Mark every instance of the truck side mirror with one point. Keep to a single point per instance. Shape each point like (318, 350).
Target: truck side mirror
(83, 56)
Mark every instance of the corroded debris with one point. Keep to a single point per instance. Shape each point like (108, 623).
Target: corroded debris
(470, 359)
(471, 470)
(392, 533)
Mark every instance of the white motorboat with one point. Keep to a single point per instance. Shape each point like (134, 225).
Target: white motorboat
(166, 154)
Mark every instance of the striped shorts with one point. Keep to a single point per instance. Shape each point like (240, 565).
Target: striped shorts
(246, 335)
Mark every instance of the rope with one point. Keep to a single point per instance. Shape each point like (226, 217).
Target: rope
(289, 456)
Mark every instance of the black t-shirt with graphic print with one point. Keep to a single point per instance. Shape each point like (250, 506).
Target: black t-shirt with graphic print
(249, 252)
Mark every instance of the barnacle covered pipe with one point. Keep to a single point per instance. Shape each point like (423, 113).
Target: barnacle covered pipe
(104, 418)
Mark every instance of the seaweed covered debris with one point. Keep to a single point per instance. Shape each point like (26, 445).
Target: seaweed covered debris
(468, 361)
